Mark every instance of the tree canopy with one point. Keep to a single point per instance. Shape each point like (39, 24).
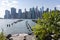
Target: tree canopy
(48, 25)
(2, 37)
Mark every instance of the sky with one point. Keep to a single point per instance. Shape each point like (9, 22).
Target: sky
(22, 4)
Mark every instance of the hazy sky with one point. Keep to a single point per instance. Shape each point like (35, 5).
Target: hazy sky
(22, 4)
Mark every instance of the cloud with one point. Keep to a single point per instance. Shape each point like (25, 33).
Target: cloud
(58, 7)
(14, 4)
(10, 3)
(14, 1)
(7, 4)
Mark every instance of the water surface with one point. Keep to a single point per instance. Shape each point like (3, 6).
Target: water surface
(16, 28)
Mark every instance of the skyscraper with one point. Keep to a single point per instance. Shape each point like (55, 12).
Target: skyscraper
(23, 15)
(36, 12)
(26, 12)
(55, 8)
(13, 13)
(42, 9)
(19, 14)
(33, 13)
(30, 12)
(29, 15)
(7, 14)
(41, 12)
(47, 10)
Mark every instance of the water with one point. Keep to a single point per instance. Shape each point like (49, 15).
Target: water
(16, 28)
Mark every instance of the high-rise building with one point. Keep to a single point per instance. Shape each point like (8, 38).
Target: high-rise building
(13, 13)
(47, 10)
(55, 8)
(7, 14)
(29, 15)
(33, 13)
(41, 12)
(42, 9)
(23, 15)
(26, 12)
(36, 12)
(30, 12)
(19, 14)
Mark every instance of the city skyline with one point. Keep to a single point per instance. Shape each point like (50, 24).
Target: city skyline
(33, 13)
(22, 4)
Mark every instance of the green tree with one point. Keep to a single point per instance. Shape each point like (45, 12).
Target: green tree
(2, 36)
(48, 25)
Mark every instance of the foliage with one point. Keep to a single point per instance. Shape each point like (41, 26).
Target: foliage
(2, 37)
(48, 25)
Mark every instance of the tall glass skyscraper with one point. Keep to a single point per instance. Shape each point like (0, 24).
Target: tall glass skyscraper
(13, 13)
(19, 14)
(7, 14)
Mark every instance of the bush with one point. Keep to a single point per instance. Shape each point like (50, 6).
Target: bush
(47, 26)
